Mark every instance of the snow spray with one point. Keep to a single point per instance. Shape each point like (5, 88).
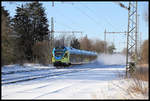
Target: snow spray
(111, 59)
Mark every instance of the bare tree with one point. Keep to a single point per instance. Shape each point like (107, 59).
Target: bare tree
(98, 46)
(145, 51)
(124, 51)
(85, 43)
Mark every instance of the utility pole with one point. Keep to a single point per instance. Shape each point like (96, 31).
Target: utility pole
(138, 36)
(136, 32)
(51, 38)
(105, 41)
(52, 32)
(131, 32)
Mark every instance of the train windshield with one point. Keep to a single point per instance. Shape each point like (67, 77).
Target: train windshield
(59, 52)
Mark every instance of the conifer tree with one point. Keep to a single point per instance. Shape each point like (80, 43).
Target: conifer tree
(6, 42)
(75, 43)
(30, 24)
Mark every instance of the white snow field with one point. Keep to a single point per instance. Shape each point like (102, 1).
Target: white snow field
(101, 79)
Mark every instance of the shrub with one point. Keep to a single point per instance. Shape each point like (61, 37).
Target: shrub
(145, 51)
(41, 52)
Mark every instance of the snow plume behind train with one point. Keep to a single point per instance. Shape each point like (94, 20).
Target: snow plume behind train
(112, 59)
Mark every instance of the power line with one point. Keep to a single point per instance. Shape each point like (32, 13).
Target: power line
(96, 14)
(66, 17)
(92, 19)
(64, 24)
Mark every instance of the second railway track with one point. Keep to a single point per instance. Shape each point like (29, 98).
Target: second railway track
(38, 76)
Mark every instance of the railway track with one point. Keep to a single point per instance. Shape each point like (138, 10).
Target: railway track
(21, 71)
(38, 76)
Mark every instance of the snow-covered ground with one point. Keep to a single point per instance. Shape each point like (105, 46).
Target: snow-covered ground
(101, 79)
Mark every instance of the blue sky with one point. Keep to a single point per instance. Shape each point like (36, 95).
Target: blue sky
(92, 18)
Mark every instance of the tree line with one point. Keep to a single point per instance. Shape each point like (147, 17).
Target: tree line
(84, 43)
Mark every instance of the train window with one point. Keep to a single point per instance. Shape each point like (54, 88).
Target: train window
(59, 53)
(66, 55)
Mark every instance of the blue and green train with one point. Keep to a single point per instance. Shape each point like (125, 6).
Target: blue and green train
(68, 55)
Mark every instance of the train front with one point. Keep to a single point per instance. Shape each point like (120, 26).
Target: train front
(60, 56)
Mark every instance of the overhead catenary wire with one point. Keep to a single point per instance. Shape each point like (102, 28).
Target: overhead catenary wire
(62, 22)
(90, 9)
(68, 18)
(84, 13)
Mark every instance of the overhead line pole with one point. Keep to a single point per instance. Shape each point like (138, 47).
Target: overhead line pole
(105, 41)
(51, 36)
(131, 32)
